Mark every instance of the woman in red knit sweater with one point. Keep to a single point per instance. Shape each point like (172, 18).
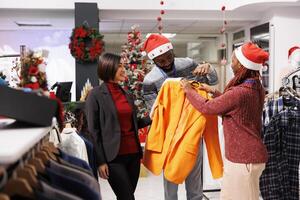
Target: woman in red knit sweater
(241, 107)
(112, 120)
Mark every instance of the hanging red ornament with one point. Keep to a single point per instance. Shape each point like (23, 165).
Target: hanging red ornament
(223, 8)
(223, 61)
(159, 19)
(162, 12)
(222, 30)
(161, 2)
(225, 22)
(223, 45)
(160, 27)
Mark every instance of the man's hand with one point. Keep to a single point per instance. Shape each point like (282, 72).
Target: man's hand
(202, 69)
(103, 171)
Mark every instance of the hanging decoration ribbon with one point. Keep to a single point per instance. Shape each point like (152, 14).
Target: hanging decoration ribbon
(159, 18)
(222, 31)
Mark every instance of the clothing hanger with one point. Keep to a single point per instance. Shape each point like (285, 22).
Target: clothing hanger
(52, 147)
(18, 186)
(31, 168)
(285, 80)
(45, 152)
(43, 156)
(38, 164)
(4, 197)
(49, 152)
(286, 91)
(27, 175)
(68, 125)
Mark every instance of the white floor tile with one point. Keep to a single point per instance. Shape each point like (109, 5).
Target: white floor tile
(149, 188)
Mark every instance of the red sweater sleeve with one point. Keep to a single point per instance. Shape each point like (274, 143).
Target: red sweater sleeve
(221, 105)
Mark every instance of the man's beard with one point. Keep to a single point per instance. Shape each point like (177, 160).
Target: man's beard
(166, 68)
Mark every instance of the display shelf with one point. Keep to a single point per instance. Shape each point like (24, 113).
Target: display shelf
(15, 142)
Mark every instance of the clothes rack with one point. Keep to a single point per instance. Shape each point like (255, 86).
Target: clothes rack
(12, 149)
(281, 119)
(285, 80)
(32, 167)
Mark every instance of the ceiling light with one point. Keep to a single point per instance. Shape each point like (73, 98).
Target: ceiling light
(32, 23)
(167, 35)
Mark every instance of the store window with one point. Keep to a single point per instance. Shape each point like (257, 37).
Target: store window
(238, 39)
(261, 35)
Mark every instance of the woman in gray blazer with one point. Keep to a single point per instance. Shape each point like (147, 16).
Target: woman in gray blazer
(112, 119)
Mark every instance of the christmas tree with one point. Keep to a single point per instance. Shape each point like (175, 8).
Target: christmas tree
(136, 68)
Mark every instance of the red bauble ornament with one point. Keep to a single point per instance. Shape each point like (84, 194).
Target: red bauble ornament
(160, 27)
(225, 22)
(223, 45)
(222, 30)
(162, 12)
(223, 62)
(159, 19)
(161, 2)
(223, 8)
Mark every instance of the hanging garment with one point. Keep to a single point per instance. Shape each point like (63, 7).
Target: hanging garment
(49, 192)
(84, 178)
(71, 185)
(91, 155)
(74, 162)
(280, 179)
(73, 144)
(272, 107)
(173, 140)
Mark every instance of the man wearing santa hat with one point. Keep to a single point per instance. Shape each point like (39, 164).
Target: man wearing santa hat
(160, 50)
(240, 106)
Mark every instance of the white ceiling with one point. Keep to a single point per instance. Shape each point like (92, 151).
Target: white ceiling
(116, 23)
(112, 21)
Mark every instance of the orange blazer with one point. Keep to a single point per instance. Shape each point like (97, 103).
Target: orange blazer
(173, 140)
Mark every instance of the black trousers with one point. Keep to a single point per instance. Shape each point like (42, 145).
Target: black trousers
(123, 175)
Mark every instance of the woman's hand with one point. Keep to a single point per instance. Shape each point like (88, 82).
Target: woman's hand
(207, 88)
(103, 171)
(185, 84)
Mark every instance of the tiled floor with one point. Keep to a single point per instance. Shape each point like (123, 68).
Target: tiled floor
(149, 188)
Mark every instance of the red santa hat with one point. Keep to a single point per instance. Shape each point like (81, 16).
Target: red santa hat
(294, 56)
(156, 45)
(251, 56)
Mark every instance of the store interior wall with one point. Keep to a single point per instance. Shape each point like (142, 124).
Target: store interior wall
(284, 33)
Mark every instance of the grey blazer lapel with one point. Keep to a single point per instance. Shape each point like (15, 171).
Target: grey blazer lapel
(107, 101)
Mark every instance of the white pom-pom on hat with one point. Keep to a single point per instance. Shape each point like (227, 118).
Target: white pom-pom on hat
(265, 68)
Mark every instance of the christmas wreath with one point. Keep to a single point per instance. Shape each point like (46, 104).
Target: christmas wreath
(86, 44)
